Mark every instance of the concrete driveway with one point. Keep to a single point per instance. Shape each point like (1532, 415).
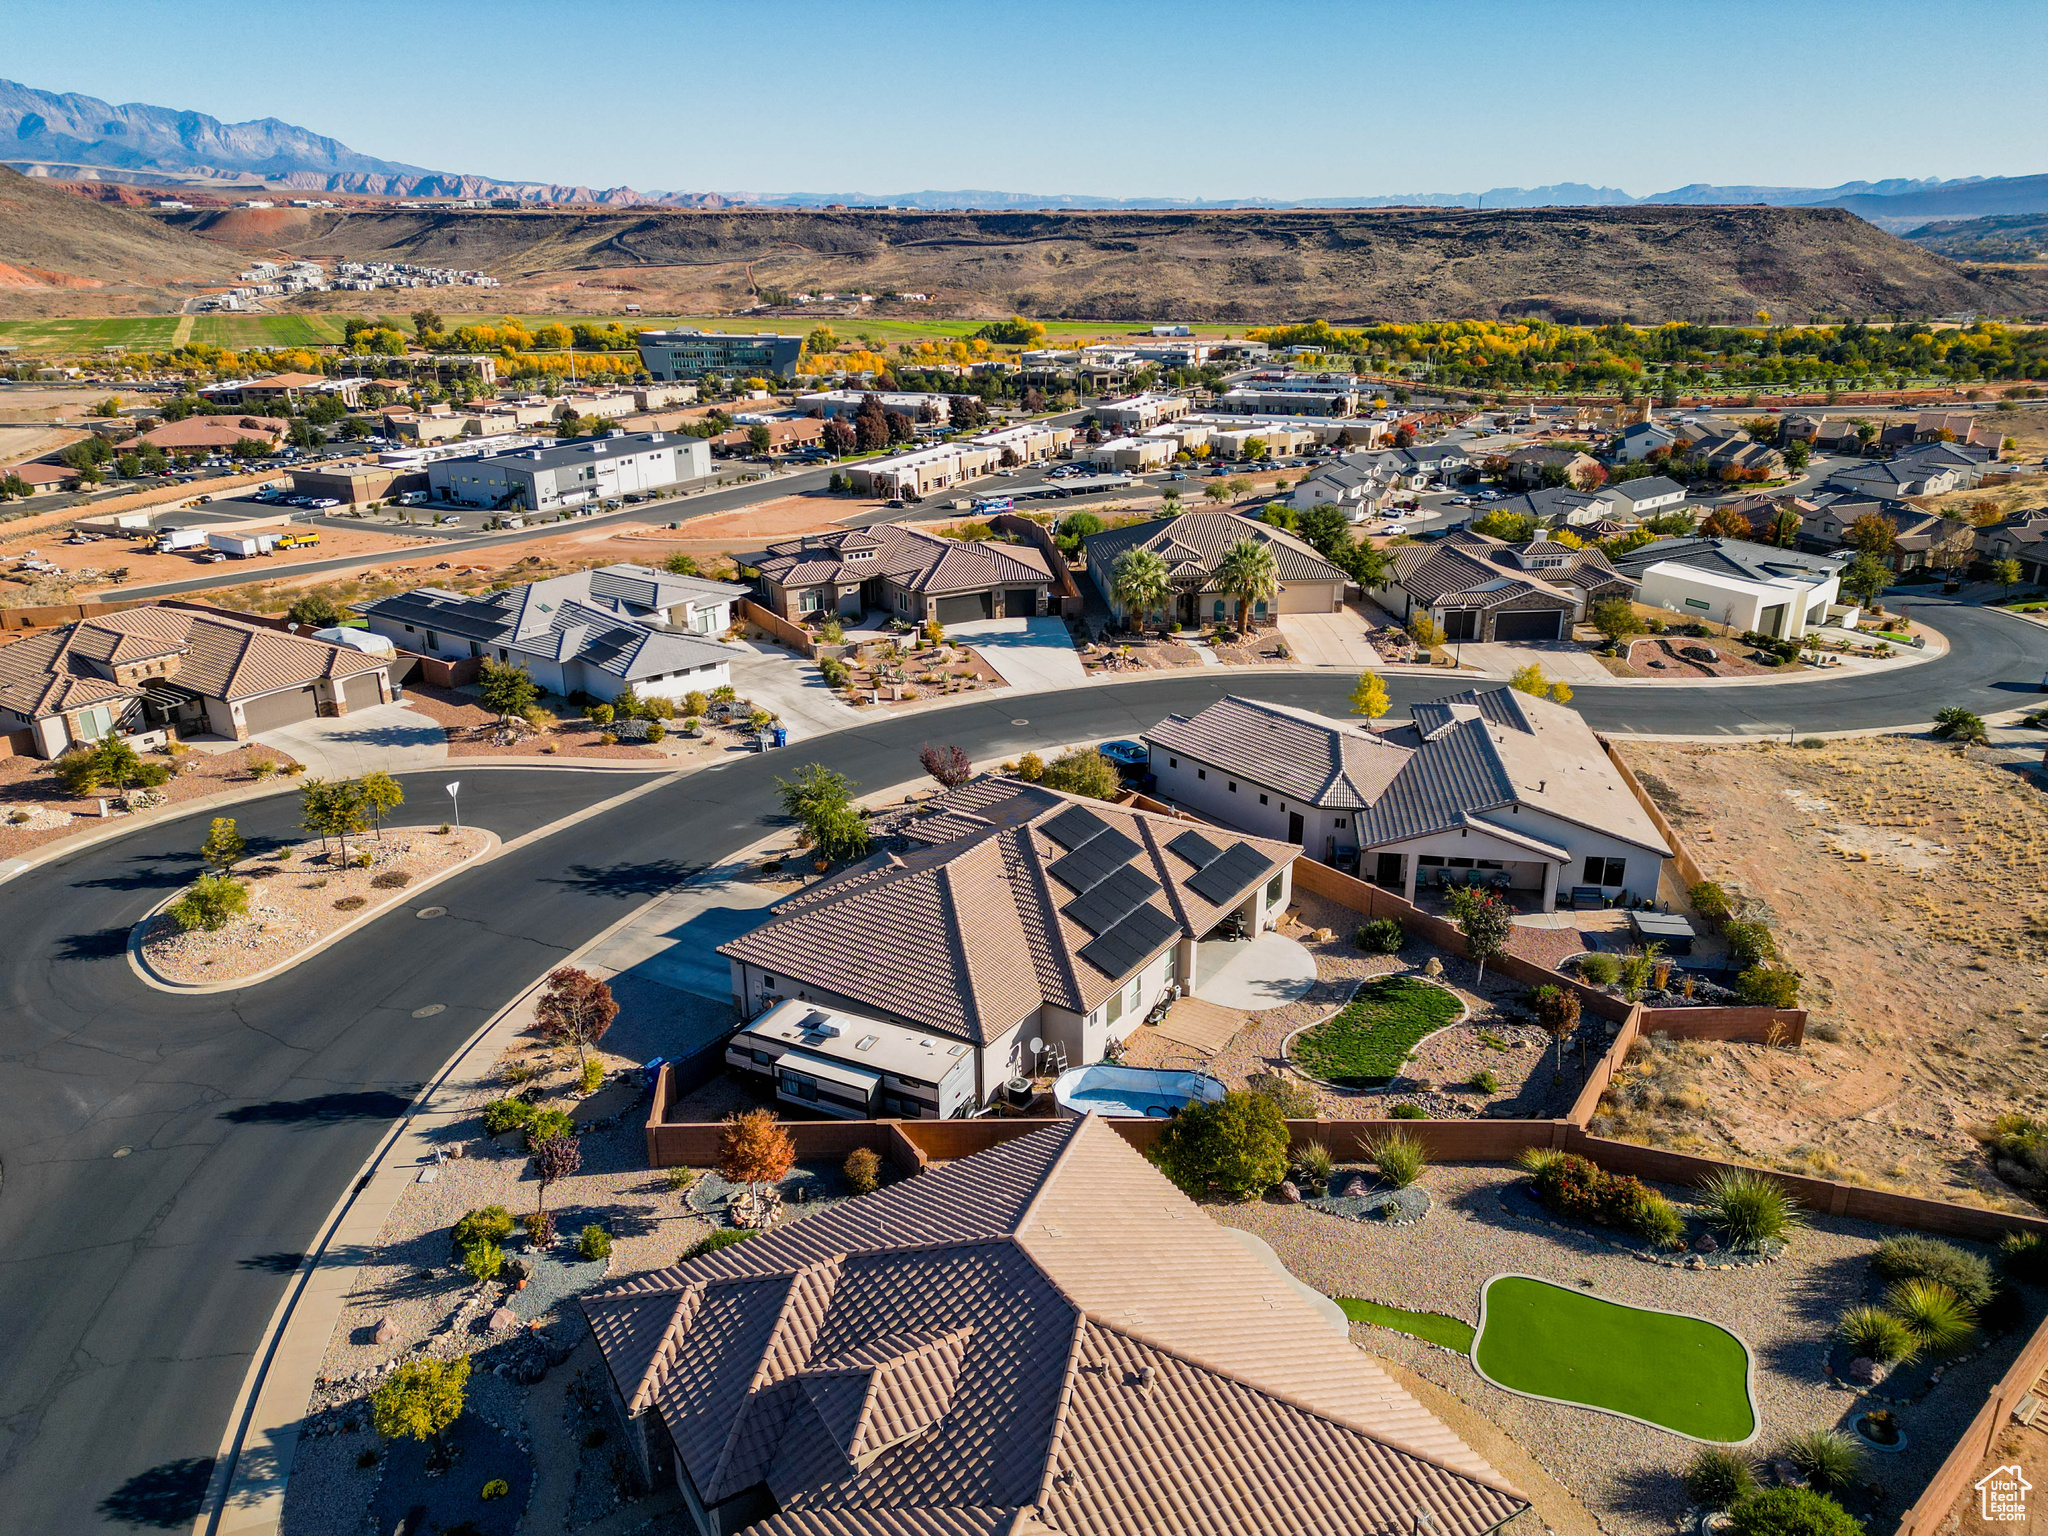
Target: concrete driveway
(791, 687)
(391, 737)
(1031, 655)
(1329, 640)
(1561, 660)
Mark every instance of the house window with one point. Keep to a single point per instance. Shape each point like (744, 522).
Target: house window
(1219, 610)
(1201, 773)
(1273, 890)
(95, 723)
(1173, 762)
(433, 641)
(768, 981)
(1233, 786)
(1116, 1009)
(1601, 871)
(1429, 860)
(1259, 609)
(807, 602)
(1340, 823)
(1262, 799)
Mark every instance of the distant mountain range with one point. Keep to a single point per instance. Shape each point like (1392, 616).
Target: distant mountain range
(72, 137)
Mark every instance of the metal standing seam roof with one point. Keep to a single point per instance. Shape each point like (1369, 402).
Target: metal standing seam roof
(969, 934)
(1203, 538)
(1043, 1337)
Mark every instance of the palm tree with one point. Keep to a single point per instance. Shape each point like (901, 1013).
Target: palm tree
(1248, 573)
(1141, 583)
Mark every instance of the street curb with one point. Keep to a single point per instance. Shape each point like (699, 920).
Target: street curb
(149, 976)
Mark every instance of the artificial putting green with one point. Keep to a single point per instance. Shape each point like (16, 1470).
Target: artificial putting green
(1431, 1327)
(1679, 1373)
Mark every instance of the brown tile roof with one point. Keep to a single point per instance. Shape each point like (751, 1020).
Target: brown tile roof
(1046, 1337)
(967, 935)
(914, 559)
(215, 431)
(49, 673)
(1194, 543)
(1305, 757)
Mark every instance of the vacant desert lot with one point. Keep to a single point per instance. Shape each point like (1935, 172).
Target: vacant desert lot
(1908, 882)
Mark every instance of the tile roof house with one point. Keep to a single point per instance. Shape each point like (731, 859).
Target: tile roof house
(1485, 589)
(1016, 913)
(1493, 787)
(904, 572)
(208, 433)
(1554, 504)
(2021, 536)
(147, 669)
(1044, 1337)
(1193, 546)
(592, 632)
(1919, 538)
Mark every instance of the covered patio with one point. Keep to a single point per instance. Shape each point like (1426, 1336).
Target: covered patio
(1524, 868)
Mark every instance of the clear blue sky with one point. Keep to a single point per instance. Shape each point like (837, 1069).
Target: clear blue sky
(1290, 98)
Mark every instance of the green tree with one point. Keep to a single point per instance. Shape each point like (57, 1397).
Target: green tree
(759, 438)
(420, 1401)
(426, 324)
(2007, 574)
(820, 801)
(1486, 921)
(224, 846)
(211, 903)
(1141, 583)
(1236, 1146)
(1249, 573)
(1784, 528)
(506, 688)
(1216, 491)
(680, 564)
(332, 808)
(1369, 696)
(1326, 530)
(109, 763)
(1797, 456)
(382, 794)
(1616, 619)
(1083, 771)
(314, 611)
(1865, 579)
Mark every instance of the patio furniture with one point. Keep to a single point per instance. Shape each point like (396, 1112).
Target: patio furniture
(1668, 929)
(1587, 898)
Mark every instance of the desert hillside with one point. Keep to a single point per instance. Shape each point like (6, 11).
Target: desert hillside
(1583, 264)
(63, 254)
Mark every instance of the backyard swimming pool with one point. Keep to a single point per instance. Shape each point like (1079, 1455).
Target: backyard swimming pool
(1136, 1093)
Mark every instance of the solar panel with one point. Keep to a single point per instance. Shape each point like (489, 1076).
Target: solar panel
(1075, 826)
(1130, 943)
(1242, 864)
(1103, 906)
(1095, 860)
(1195, 848)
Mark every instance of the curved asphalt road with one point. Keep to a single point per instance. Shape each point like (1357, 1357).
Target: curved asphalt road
(134, 1285)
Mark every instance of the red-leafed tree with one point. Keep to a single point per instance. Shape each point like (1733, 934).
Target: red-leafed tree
(576, 1009)
(948, 764)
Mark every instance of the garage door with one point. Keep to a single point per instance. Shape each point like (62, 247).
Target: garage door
(361, 691)
(965, 610)
(274, 709)
(1020, 602)
(1527, 626)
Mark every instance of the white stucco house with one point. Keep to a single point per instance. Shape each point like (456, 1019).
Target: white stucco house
(1495, 788)
(1778, 592)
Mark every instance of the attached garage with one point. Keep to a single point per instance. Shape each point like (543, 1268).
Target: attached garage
(1541, 625)
(1020, 602)
(288, 706)
(361, 691)
(966, 609)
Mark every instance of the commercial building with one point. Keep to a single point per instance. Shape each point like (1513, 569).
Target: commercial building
(845, 404)
(1136, 413)
(921, 471)
(1494, 788)
(572, 473)
(1133, 454)
(689, 354)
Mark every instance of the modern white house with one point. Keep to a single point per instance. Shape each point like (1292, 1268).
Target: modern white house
(1492, 788)
(1777, 592)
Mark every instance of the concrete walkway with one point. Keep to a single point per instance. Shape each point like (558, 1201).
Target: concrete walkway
(1269, 972)
(790, 687)
(1029, 654)
(393, 738)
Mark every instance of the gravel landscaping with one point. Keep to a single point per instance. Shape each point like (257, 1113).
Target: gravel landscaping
(298, 895)
(1627, 1474)
(35, 811)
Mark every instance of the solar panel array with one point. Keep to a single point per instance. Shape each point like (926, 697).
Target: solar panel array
(1130, 943)
(1094, 861)
(1196, 849)
(1075, 826)
(1104, 906)
(1220, 879)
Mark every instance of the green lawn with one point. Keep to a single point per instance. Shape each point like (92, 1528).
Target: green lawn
(1431, 1327)
(1678, 1373)
(1365, 1045)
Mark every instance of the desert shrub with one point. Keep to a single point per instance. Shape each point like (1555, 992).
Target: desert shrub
(1314, 1163)
(1407, 1111)
(212, 903)
(593, 1242)
(1236, 1145)
(1083, 771)
(501, 1115)
(2018, 1144)
(1573, 1186)
(1749, 941)
(483, 1260)
(1486, 1080)
(1830, 1459)
(863, 1170)
(1656, 1220)
(486, 1224)
(1936, 1316)
(1637, 969)
(549, 1122)
(2024, 1257)
(1600, 970)
(351, 903)
(593, 1075)
(1536, 1160)
(1768, 987)
(1750, 1208)
(1876, 1335)
(1380, 936)
(657, 708)
(601, 714)
(540, 1227)
(1294, 1101)
(496, 1488)
(678, 1179)
(725, 1237)
(656, 732)
(1790, 1512)
(391, 880)
(1717, 1478)
(1399, 1158)
(1914, 1256)
(1711, 902)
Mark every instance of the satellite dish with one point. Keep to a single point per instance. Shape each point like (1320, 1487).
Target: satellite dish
(1037, 1044)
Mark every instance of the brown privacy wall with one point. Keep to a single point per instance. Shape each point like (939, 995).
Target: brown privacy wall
(795, 636)
(1065, 597)
(1763, 1026)
(59, 613)
(1604, 1069)
(438, 672)
(1980, 1440)
(1681, 856)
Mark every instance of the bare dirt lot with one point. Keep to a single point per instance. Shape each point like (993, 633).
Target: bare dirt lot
(1908, 882)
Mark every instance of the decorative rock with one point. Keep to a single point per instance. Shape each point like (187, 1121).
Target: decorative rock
(1867, 1371)
(385, 1333)
(502, 1321)
(1290, 1192)
(458, 1149)
(1357, 1189)
(1695, 1262)
(1706, 1243)
(1434, 968)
